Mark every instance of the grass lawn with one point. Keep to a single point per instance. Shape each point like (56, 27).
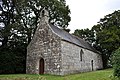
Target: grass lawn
(95, 75)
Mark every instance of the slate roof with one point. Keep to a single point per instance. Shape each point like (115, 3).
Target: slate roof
(72, 39)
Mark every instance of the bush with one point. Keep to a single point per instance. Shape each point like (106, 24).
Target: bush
(116, 62)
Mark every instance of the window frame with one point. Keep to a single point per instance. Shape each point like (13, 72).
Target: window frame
(81, 55)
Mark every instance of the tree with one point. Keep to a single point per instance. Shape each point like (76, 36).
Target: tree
(19, 19)
(116, 62)
(30, 10)
(12, 55)
(108, 35)
(105, 36)
(86, 34)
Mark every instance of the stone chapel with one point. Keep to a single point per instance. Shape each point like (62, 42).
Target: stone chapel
(55, 51)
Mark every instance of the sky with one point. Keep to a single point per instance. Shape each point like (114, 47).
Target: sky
(86, 13)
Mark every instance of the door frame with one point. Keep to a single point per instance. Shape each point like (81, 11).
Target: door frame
(41, 66)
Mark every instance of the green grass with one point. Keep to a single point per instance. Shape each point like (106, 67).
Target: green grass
(95, 75)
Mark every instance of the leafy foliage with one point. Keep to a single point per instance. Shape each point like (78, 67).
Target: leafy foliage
(85, 34)
(19, 20)
(108, 36)
(116, 62)
(105, 36)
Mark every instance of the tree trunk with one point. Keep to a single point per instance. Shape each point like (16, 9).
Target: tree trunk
(105, 61)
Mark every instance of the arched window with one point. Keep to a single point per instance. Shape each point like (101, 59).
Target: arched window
(81, 55)
(92, 64)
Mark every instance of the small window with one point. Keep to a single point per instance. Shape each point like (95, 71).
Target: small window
(81, 55)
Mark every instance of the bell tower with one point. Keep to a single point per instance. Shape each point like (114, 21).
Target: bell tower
(44, 15)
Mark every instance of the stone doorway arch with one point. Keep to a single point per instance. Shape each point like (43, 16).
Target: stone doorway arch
(41, 66)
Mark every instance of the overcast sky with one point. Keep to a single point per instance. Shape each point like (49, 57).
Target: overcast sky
(86, 13)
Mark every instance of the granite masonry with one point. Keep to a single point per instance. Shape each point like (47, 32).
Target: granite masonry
(54, 51)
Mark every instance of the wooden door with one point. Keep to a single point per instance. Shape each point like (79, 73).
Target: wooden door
(41, 66)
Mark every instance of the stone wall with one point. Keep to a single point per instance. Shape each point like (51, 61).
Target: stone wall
(60, 57)
(71, 62)
(47, 45)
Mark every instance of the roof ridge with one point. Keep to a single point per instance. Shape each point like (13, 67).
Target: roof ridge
(72, 38)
